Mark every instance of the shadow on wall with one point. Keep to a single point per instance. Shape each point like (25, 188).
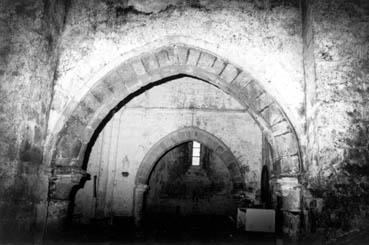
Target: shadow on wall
(180, 188)
(103, 123)
(99, 129)
(342, 193)
(183, 194)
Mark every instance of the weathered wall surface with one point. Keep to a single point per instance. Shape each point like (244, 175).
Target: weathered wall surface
(177, 188)
(339, 173)
(267, 43)
(149, 117)
(101, 34)
(28, 36)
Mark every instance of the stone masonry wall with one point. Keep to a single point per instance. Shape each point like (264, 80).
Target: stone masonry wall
(264, 40)
(339, 173)
(28, 37)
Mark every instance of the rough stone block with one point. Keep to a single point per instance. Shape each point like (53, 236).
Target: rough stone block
(150, 63)
(57, 213)
(172, 57)
(193, 57)
(138, 67)
(101, 92)
(281, 127)
(128, 76)
(83, 113)
(286, 144)
(290, 165)
(62, 188)
(206, 60)
(218, 66)
(126, 72)
(252, 90)
(229, 73)
(272, 114)
(277, 167)
(163, 58)
(242, 80)
(91, 102)
(76, 147)
(115, 83)
(262, 101)
(291, 199)
(75, 127)
(181, 53)
(291, 224)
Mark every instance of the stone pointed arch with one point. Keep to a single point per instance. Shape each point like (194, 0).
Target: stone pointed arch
(66, 148)
(183, 135)
(172, 140)
(83, 117)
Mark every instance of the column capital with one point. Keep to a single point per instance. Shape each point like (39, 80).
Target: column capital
(63, 180)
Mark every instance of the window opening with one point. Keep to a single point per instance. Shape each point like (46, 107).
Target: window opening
(196, 151)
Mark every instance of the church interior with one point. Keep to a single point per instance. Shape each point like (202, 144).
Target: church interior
(235, 121)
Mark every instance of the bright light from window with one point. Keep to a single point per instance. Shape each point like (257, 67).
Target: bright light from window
(196, 146)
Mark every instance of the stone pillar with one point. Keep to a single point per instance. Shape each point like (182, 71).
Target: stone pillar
(289, 190)
(57, 212)
(61, 189)
(139, 196)
(41, 205)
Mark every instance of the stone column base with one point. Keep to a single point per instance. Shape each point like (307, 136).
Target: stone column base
(289, 190)
(292, 225)
(57, 216)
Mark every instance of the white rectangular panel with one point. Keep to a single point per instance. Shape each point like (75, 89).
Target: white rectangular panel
(262, 220)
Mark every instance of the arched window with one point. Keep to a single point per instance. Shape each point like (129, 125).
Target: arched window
(196, 153)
